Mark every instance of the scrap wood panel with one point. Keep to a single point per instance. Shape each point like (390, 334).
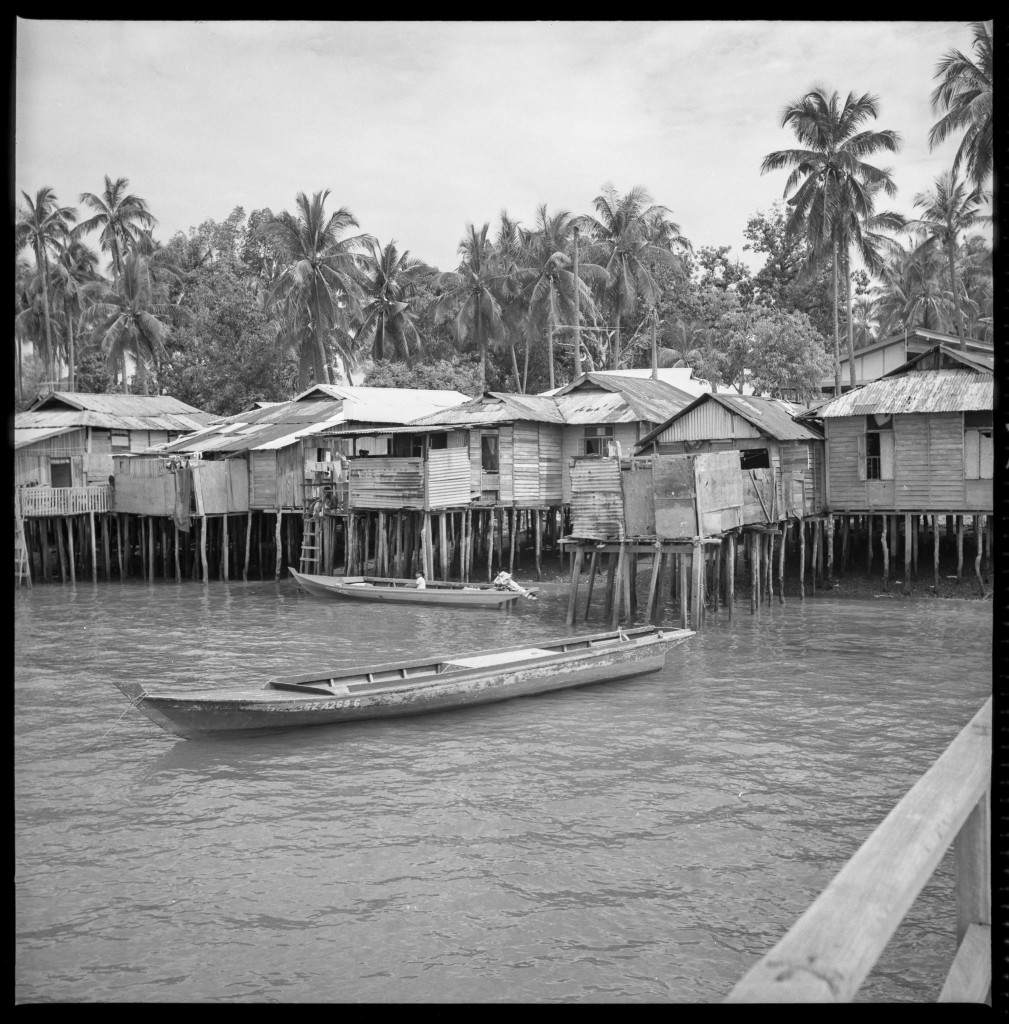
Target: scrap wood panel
(674, 498)
(721, 491)
(385, 482)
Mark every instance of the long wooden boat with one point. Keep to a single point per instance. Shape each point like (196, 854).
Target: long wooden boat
(377, 588)
(409, 687)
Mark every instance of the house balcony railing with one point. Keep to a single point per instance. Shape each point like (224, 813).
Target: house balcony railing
(64, 501)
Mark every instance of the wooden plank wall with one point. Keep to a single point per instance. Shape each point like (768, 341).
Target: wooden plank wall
(263, 480)
(526, 467)
(673, 489)
(148, 494)
(945, 457)
(723, 494)
(551, 471)
(639, 498)
(844, 489)
(506, 464)
(911, 460)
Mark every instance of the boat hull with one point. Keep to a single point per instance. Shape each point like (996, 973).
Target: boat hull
(460, 597)
(254, 712)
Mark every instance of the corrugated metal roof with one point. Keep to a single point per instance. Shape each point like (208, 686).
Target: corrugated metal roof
(277, 426)
(496, 407)
(650, 400)
(69, 418)
(771, 416)
(119, 405)
(917, 391)
(24, 436)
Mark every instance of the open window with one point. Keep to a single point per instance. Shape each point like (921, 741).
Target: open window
(754, 458)
(599, 440)
(876, 448)
(978, 451)
(60, 474)
(489, 461)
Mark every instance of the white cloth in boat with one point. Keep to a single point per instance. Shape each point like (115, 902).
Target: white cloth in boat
(501, 657)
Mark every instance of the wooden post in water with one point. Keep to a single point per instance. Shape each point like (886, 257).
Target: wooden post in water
(781, 563)
(175, 551)
(611, 583)
(106, 545)
(844, 544)
(632, 585)
(443, 544)
(618, 594)
(94, 549)
(71, 557)
(979, 535)
(802, 558)
(151, 559)
(203, 548)
(490, 544)
(539, 543)
(751, 541)
(653, 584)
(593, 563)
(868, 546)
(915, 529)
(248, 543)
(119, 545)
(893, 537)
(697, 584)
(829, 527)
(684, 590)
(907, 552)
(770, 567)
(814, 559)
(886, 554)
(959, 549)
(730, 574)
(225, 567)
(511, 540)
(576, 569)
(58, 529)
(935, 553)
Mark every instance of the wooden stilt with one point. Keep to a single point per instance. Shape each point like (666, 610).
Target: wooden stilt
(990, 529)
(629, 560)
(907, 552)
(843, 565)
(697, 584)
(663, 570)
(684, 589)
(106, 545)
(781, 564)
(279, 541)
(259, 541)
(58, 525)
(593, 562)
(653, 584)
(175, 550)
(539, 543)
(935, 554)
(94, 548)
(959, 549)
(730, 574)
(511, 540)
(716, 575)
(71, 555)
(468, 526)
(202, 521)
(248, 543)
(868, 545)
(443, 544)
(979, 534)
(829, 529)
(490, 544)
(915, 522)
(611, 579)
(754, 548)
(886, 554)
(802, 559)
(576, 569)
(769, 562)
(618, 592)
(814, 560)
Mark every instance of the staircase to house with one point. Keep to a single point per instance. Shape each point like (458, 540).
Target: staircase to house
(22, 568)
(310, 546)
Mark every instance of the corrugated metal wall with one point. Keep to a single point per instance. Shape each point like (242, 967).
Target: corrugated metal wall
(447, 477)
(597, 502)
(708, 420)
(387, 483)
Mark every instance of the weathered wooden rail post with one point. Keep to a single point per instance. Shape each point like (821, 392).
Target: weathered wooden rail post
(886, 554)
(959, 549)
(781, 563)
(907, 552)
(802, 559)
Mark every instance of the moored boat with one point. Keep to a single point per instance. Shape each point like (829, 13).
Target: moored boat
(402, 591)
(409, 687)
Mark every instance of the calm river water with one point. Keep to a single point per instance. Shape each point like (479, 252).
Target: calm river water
(642, 841)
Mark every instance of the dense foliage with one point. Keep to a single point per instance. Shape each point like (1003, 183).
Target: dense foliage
(259, 307)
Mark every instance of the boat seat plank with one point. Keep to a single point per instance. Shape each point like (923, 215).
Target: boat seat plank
(501, 657)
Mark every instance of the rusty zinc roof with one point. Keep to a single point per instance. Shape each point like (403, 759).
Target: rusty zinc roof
(917, 391)
(647, 400)
(117, 405)
(773, 417)
(57, 418)
(495, 407)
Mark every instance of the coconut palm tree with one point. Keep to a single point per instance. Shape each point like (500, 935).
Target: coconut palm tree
(129, 318)
(911, 292)
(974, 270)
(389, 317)
(474, 292)
(627, 234)
(120, 216)
(545, 278)
(965, 99)
(44, 225)
(950, 210)
(76, 281)
(323, 274)
(834, 187)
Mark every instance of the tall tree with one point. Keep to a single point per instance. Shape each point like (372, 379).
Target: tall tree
(628, 234)
(910, 292)
(130, 319)
(546, 280)
(474, 293)
(834, 186)
(965, 99)
(949, 211)
(389, 314)
(323, 274)
(44, 225)
(76, 281)
(121, 217)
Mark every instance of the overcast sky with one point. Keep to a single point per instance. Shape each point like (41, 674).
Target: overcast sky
(419, 128)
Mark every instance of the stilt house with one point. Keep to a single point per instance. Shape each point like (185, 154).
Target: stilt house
(721, 462)
(917, 440)
(65, 444)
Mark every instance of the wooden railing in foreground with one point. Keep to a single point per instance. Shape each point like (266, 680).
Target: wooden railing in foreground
(830, 950)
(64, 501)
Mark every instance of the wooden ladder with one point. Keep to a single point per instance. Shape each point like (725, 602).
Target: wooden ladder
(310, 545)
(22, 569)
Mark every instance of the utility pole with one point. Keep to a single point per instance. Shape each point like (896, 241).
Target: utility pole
(578, 336)
(655, 347)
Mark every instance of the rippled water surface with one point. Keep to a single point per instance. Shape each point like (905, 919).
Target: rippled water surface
(645, 840)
